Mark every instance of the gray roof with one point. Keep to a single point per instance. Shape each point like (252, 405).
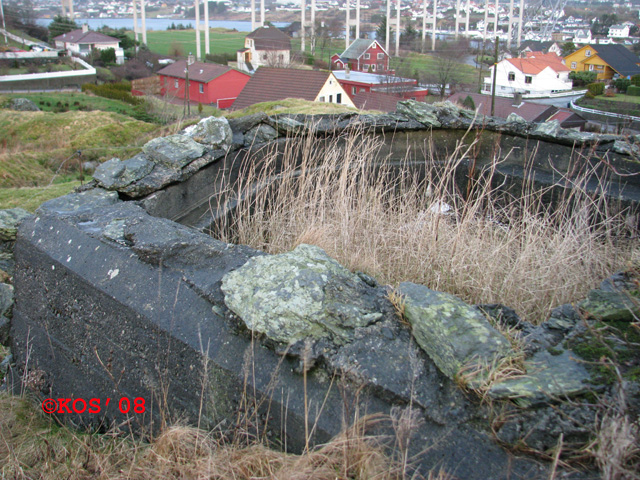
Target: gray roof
(620, 58)
(357, 48)
(89, 37)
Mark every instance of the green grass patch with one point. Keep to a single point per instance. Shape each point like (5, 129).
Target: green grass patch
(292, 106)
(622, 104)
(622, 98)
(181, 42)
(38, 146)
(425, 65)
(31, 198)
(52, 102)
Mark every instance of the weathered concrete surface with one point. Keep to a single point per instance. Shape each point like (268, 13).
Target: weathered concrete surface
(116, 303)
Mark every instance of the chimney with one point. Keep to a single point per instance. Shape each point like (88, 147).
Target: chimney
(517, 99)
(191, 59)
(346, 71)
(85, 28)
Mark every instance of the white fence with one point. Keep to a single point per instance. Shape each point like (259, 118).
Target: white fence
(27, 55)
(24, 41)
(87, 71)
(606, 114)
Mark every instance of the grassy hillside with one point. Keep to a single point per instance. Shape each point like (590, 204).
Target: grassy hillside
(40, 149)
(54, 101)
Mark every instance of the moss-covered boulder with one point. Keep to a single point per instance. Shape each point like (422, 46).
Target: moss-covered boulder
(611, 305)
(300, 294)
(451, 332)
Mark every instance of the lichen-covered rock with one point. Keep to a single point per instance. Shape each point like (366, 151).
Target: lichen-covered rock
(611, 305)
(6, 298)
(214, 132)
(260, 134)
(548, 375)
(451, 332)
(77, 203)
(300, 294)
(159, 177)
(23, 105)
(286, 125)
(10, 220)
(547, 129)
(515, 118)
(115, 174)
(5, 328)
(422, 112)
(174, 151)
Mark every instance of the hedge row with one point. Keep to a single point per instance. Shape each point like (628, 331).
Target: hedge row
(115, 91)
(635, 80)
(633, 90)
(596, 88)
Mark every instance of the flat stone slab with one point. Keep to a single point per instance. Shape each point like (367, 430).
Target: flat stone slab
(300, 294)
(174, 151)
(212, 131)
(115, 173)
(451, 332)
(548, 376)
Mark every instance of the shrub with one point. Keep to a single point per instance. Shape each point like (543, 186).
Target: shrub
(633, 90)
(621, 84)
(635, 80)
(582, 78)
(116, 91)
(596, 88)
(469, 103)
(589, 95)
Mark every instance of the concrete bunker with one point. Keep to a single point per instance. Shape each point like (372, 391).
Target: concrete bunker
(119, 293)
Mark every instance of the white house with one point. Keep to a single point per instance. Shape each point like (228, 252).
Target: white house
(618, 31)
(582, 37)
(264, 47)
(83, 40)
(540, 76)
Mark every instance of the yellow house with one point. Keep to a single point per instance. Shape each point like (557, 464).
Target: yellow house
(605, 60)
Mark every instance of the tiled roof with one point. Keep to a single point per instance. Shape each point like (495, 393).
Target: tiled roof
(376, 101)
(198, 71)
(620, 58)
(79, 36)
(568, 118)
(531, 112)
(270, 38)
(270, 84)
(533, 66)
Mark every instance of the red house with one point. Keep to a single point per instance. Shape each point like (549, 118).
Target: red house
(359, 82)
(363, 55)
(209, 83)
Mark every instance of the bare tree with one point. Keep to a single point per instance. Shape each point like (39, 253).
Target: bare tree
(447, 68)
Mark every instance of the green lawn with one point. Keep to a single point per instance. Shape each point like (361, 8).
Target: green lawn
(622, 98)
(30, 198)
(165, 42)
(48, 102)
(424, 64)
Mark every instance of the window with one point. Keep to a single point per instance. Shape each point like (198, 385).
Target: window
(264, 57)
(573, 65)
(176, 83)
(339, 98)
(528, 79)
(587, 53)
(354, 90)
(600, 67)
(201, 88)
(373, 47)
(512, 76)
(321, 99)
(373, 67)
(330, 98)
(591, 68)
(380, 56)
(380, 67)
(367, 56)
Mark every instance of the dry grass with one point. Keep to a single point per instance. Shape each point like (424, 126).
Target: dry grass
(493, 247)
(33, 446)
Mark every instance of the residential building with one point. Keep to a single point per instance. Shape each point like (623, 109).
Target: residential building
(363, 55)
(531, 112)
(361, 82)
(537, 46)
(264, 47)
(539, 76)
(272, 84)
(607, 60)
(618, 31)
(83, 40)
(209, 83)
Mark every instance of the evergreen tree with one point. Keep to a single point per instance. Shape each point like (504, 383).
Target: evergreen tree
(381, 31)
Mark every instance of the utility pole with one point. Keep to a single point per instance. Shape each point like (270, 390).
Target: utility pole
(388, 32)
(4, 25)
(207, 48)
(495, 74)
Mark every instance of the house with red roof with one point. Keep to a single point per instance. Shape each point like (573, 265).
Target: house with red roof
(208, 83)
(272, 84)
(538, 75)
(83, 40)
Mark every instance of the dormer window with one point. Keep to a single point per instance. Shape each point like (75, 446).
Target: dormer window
(512, 76)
